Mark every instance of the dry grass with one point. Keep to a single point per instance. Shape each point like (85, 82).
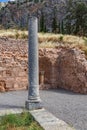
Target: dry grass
(12, 33)
(49, 40)
(48, 37)
(52, 40)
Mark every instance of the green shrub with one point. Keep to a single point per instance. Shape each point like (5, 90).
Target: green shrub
(23, 121)
(61, 38)
(17, 35)
(24, 35)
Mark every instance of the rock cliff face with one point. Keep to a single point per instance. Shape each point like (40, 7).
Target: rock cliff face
(16, 15)
(59, 67)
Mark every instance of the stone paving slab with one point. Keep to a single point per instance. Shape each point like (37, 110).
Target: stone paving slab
(65, 105)
(10, 111)
(49, 121)
(43, 117)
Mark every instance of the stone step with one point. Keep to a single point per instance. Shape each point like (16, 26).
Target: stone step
(49, 121)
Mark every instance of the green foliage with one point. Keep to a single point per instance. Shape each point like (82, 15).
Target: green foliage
(24, 119)
(61, 27)
(81, 15)
(54, 25)
(17, 120)
(24, 36)
(54, 22)
(34, 126)
(17, 34)
(67, 18)
(75, 21)
(42, 23)
(61, 38)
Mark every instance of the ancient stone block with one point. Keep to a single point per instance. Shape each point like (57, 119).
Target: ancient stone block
(8, 72)
(22, 73)
(2, 86)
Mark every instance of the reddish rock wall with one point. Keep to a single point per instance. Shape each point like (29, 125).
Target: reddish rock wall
(13, 64)
(47, 60)
(72, 70)
(61, 67)
(64, 68)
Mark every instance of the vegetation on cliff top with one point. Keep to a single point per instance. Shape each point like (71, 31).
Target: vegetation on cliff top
(58, 16)
(49, 39)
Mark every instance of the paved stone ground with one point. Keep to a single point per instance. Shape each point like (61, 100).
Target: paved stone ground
(68, 106)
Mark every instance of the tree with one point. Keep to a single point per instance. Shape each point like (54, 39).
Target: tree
(54, 23)
(81, 18)
(75, 21)
(42, 23)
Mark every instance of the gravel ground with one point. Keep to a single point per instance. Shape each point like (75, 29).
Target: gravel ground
(68, 106)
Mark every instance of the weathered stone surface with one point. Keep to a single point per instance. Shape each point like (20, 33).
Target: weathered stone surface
(62, 66)
(2, 86)
(48, 121)
(72, 69)
(13, 65)
(47, 58)
(33, 101)
(17, 14)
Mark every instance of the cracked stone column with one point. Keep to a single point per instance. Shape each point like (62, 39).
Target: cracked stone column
(33, 101)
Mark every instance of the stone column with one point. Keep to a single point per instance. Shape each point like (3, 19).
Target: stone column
(42, 77)
(33, 101)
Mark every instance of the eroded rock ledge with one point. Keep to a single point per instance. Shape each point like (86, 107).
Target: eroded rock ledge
(63, 67)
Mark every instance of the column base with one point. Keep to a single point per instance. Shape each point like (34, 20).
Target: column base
(31, 105)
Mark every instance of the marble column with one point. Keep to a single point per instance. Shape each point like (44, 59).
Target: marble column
(33, 101)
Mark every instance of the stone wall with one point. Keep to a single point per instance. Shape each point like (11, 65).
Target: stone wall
(59, 67)
(72, 70)
(13, 64)
(64, 68)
